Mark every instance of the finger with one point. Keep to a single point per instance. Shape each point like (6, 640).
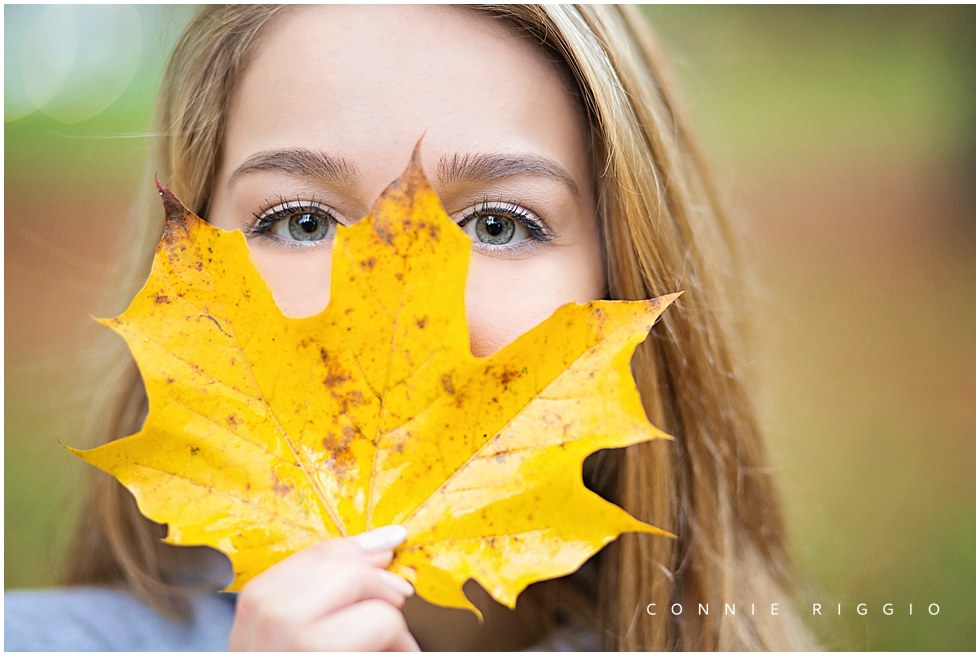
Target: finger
(345, 548)
(371, 625)
(377, 545)
(383, 538)
(283, 606)
(374, 545)
(404, 641)
(317, 581)
(333, 584)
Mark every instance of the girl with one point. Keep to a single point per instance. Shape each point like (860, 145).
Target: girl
(552, 136)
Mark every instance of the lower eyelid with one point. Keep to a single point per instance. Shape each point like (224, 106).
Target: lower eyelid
(292, 243)
(519, 249)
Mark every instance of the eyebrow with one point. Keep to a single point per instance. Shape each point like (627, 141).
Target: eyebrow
(489, 166)
(300, 161)
(455, 168)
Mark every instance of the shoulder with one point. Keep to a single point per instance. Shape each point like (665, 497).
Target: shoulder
(104, 619)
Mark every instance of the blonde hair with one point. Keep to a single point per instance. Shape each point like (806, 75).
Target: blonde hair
(664, 229)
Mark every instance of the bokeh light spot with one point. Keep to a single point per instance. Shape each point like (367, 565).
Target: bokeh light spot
(68, 62)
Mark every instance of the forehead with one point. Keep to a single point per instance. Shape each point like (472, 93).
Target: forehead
(367, 81)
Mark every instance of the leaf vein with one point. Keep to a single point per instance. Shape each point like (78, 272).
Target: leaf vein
(517, 413)
(305, 466)
(245, 502)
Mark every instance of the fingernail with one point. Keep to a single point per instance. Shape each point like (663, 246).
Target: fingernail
(400, 585)
(381, 539)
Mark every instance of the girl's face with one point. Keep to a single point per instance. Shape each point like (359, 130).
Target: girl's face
(327, 115)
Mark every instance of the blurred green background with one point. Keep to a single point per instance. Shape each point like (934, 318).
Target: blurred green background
(844, 139)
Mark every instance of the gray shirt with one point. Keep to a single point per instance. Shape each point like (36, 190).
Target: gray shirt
(103, 619)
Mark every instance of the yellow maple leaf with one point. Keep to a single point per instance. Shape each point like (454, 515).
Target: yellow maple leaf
(266, 433)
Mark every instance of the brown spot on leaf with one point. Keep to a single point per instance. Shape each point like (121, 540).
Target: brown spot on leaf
(161, 298)
(335, 373)
(386, 235)
(447, 384)
(280, 488)
(421, 321)
(369, 263)
(352, 398)
(233, 420)
(332, 443)
(195, 450)
(507, 376)
(341, 459)
(333, 379)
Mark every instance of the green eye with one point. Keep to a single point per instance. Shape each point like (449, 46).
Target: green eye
(494, 229)
(502, 228)
(295, 223)
(308, 225)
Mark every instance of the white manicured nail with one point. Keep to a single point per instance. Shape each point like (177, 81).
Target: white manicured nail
(381, 539)
(400, 585)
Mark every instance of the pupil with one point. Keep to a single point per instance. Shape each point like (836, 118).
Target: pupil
(307, 223)
(494, 226)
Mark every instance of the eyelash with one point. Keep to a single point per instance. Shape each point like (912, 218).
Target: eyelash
(536, 227)
(273, 211)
